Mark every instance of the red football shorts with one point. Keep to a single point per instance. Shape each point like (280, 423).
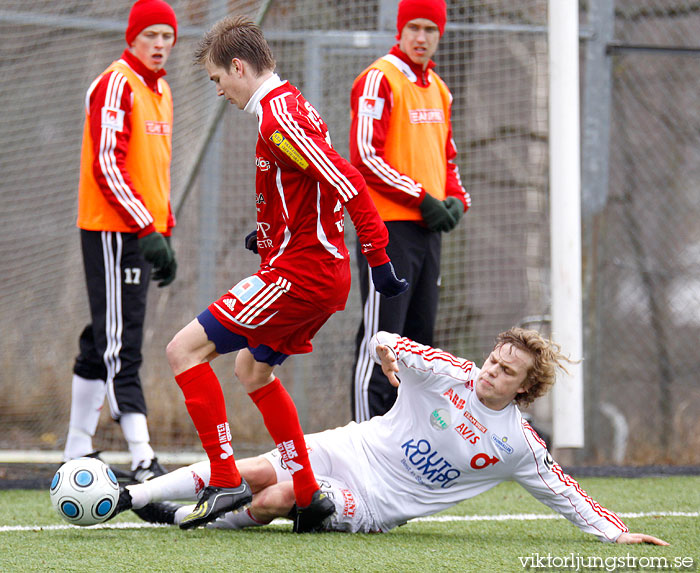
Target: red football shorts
(261, 309)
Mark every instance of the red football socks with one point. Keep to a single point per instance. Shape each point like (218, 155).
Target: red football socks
(205, 403)
(282, 421)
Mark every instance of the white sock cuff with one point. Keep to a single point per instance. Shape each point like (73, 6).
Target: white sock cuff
(183, 512)
(87, 397)
(135, 430)
(135, 427)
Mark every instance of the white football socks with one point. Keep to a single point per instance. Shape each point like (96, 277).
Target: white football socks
(236, 520)
(180, 484)
(87, 397)
(135, 430)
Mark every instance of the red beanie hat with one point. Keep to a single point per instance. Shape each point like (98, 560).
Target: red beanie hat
(433, 10)
(145, 13)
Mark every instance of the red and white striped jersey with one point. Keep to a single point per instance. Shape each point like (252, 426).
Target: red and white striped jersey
(440, 445)
(302, 187)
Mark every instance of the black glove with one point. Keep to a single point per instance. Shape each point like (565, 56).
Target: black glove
(155, 250)
(251, 241)
(456, 209)
(386, 282)
(166, 274)
(436, 215)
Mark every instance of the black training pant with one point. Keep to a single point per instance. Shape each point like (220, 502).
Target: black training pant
(415, 254)
(117, 278)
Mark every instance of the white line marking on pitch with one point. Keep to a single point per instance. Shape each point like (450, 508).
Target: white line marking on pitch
(434, 518)
(534, 516)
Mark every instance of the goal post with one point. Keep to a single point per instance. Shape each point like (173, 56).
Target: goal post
(565, 218)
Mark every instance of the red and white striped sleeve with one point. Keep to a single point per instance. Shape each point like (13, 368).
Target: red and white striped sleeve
(109, 104)
(308, 135)
(368, 137)
(540, 475)
(426, 362)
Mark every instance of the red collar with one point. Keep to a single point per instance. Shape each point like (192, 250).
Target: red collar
(417, 69)
(149, 76)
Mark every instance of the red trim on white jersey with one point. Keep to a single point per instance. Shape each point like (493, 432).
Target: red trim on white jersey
(570, 482)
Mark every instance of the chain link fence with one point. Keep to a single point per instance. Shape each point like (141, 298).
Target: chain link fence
(644, 257)
(640, 131)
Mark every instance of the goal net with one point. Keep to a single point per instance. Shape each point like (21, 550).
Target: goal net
(493, 56)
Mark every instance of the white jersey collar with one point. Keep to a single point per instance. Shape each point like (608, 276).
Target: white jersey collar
(404, 68)
(265, 88)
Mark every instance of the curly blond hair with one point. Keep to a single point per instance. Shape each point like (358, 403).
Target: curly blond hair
(546, 355)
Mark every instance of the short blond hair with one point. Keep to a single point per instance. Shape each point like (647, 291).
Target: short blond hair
(546, 359)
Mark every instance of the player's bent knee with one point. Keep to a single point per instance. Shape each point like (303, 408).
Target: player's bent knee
(258, 472)
(274, 501)
(180, 356)
(252, 374)
(173, 354)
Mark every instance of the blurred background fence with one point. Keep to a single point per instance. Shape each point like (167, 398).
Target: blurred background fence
(640, 79)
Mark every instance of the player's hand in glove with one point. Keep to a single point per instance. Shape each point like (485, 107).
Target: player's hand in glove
(456, 209)
(166, 274)
(251, 241)
(155, 250)
(436, 215)
(386, 281)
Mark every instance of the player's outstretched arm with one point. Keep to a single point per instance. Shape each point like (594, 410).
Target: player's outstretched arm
(389, 364)
(632, 538)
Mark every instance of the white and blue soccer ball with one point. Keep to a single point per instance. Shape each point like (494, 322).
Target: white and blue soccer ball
(84, 491)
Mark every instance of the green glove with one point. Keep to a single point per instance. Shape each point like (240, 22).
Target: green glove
(436, 215)
(166, 274)
(155, 250)
(456, 208)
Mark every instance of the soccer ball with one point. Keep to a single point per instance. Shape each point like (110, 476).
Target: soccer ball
(84, 491)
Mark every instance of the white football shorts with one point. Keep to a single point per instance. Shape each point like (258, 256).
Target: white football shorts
(351, 512)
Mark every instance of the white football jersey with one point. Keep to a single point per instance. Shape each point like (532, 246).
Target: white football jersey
(439, 445)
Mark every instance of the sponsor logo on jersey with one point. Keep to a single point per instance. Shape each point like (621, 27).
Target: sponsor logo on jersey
(288, 149)
(482, 461)
(467, 433)
(230, 303)
(440, 419)
(426, 465)
(455, 398)
(247, 288)
(349, 505)
(426, 116)
(371, 107)
(262, 164)
(157, 128)
(264, 241)
(112, 118)
(502, 443)
(474, 421)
